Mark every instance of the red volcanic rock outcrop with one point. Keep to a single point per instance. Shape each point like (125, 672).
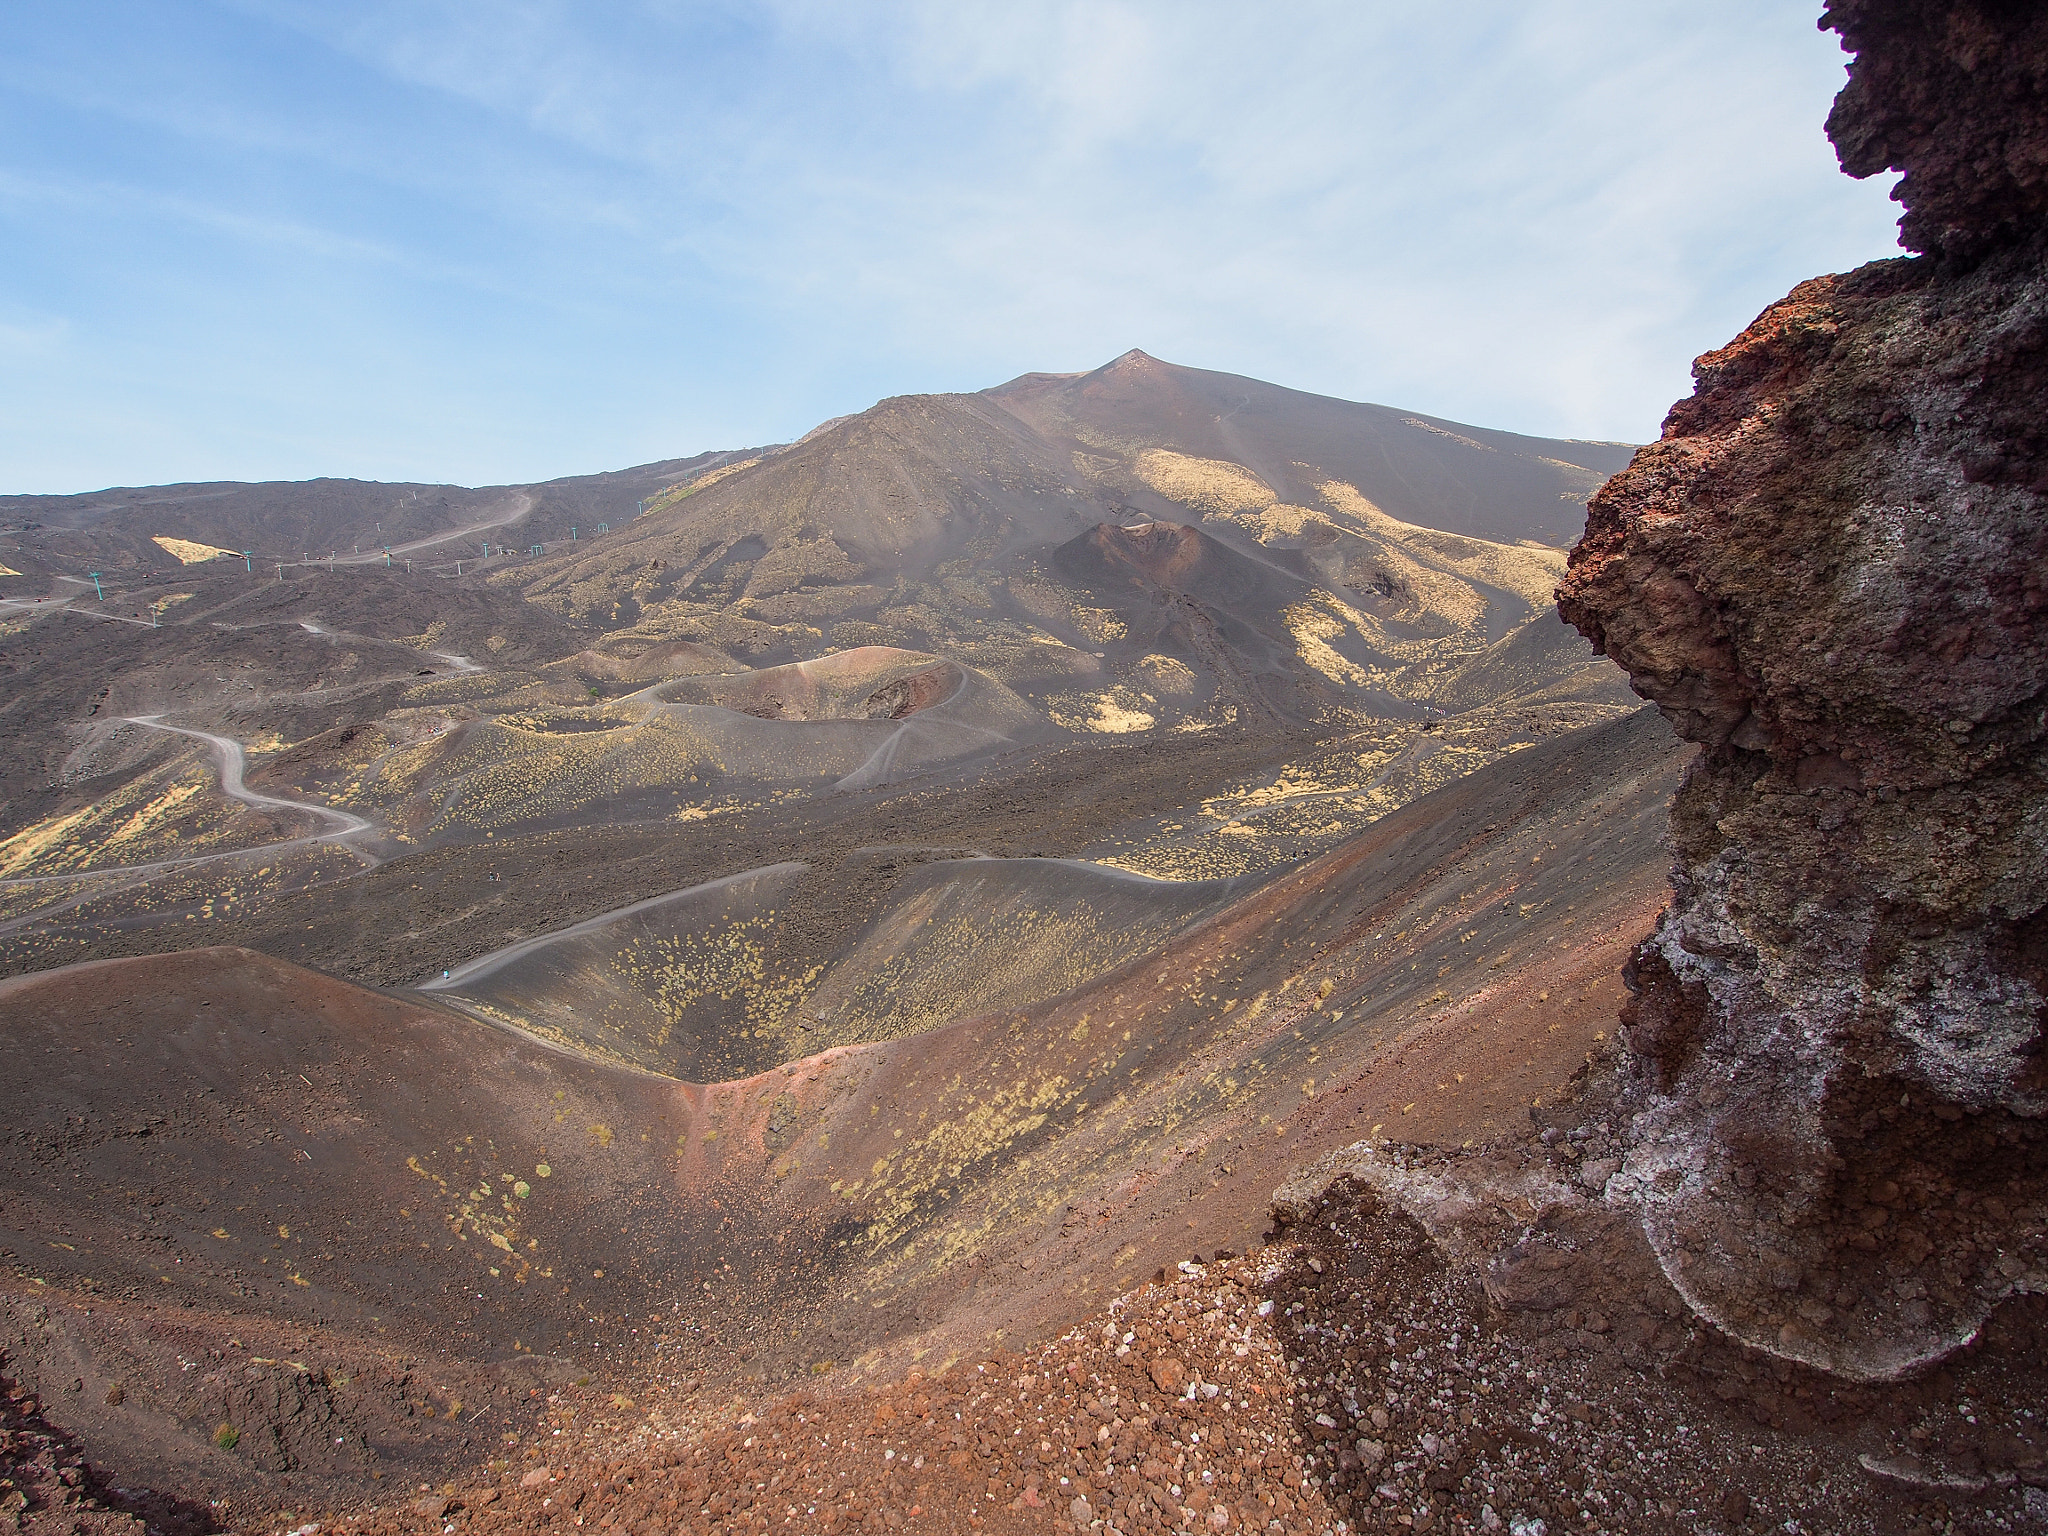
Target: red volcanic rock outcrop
(1954, 96)
(1832, 572)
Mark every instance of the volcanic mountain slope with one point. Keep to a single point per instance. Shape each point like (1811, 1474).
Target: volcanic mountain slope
(687, 745)
(948, 525)
(276, 666)
(730, 655)
(1142, 425)
(313, 1167)
(704, 773)
(413, 1205)
(127, 532)
(1349, 554)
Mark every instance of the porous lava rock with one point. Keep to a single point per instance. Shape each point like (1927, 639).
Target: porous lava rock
(1831, 572)
(1954, 96)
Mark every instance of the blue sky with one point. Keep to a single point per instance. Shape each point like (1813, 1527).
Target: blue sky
(497, 242)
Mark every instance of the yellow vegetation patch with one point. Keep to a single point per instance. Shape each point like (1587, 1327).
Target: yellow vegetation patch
(149, 817)
(1313, 630)
(1281, 521)
(484, 1210)
(1170, 677)
(935, 1160)
(693, 967)
(1098, 624)
(1208, 485)
(1530, 571)
(1112, 713)
(189, 553)
(972, 945)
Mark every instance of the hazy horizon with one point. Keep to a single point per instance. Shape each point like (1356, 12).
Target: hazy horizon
(487, 245)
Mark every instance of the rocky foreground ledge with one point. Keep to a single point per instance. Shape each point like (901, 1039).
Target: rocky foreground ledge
(1510, 1360)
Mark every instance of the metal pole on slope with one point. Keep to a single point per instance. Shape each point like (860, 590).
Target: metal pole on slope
(96, 588)
(248, 561)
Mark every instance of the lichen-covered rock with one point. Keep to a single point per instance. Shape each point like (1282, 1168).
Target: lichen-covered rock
(1832, 573)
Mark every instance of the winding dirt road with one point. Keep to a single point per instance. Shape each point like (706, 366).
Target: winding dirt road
(232, 761)
(520, 503)
(462, 664)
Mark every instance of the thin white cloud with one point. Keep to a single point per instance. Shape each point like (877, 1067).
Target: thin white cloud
(743, 215)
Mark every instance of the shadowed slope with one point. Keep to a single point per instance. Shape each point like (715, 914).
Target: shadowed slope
(716, 982)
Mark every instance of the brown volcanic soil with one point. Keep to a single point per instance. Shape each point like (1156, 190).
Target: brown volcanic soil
(299, 1165)
(234, 657)
(998, 1181)
(1353, 1373)
(436, 908)
(459, 615)
(111, 530)
(928, 524)
(1627, 1425)
(985, 1183)
(961, 525)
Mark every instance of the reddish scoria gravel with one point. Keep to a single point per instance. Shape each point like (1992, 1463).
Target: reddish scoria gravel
(1172, 1412)
(1348, 1380)
(47, 1488)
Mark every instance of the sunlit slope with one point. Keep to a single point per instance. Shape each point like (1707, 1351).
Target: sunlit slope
(964, 937)
(1541, 662)
(827, 531)
(946, 524)
(68, 680)
(1334, 614)
(165, 804)
(1439, 474)
(430, 614)
(1438, 974)
(128, 531)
